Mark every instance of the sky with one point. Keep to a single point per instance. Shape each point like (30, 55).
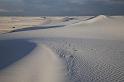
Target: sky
(61, 7)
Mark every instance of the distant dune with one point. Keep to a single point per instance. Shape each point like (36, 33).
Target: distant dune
(97, 18)
(10, 23)
(64, 49)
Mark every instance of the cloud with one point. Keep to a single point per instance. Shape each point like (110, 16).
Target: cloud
(3, 10)
(111, 1)
(62, 7)
(10, 11)
(117, 1)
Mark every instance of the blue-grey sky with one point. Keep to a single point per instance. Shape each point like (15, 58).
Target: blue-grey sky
(61, 7)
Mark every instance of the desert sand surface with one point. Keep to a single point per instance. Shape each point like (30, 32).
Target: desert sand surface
(11, 23)
(64, 49)
(8, 24)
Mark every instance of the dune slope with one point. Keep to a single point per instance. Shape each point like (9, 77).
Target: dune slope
(42, 65)
(89, 50)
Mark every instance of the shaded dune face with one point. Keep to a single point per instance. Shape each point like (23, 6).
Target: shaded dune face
(40, 63)
(35, 28)
(13, 50)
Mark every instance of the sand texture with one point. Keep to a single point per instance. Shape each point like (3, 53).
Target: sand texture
(64, 49)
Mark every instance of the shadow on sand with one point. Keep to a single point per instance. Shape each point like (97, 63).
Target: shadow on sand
(36, 28)
(13, 50)
(90, 18)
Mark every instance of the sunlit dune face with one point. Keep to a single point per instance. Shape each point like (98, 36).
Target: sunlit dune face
(7, 23)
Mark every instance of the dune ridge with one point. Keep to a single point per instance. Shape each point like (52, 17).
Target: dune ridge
(42, 65)
(97, 18)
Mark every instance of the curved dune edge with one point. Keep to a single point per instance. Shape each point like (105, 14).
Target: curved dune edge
(97, 18)
(42, 65)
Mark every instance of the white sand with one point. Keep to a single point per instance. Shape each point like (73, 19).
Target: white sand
(7, 23)
(85, 49)
(42, 65)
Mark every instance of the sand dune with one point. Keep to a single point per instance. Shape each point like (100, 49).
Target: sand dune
(97, 18)
(7, 23)
(108, 28)
(82, 49)
(41, 65)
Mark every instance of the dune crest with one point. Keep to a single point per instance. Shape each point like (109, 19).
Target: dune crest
(41, 65)
(97, 18)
